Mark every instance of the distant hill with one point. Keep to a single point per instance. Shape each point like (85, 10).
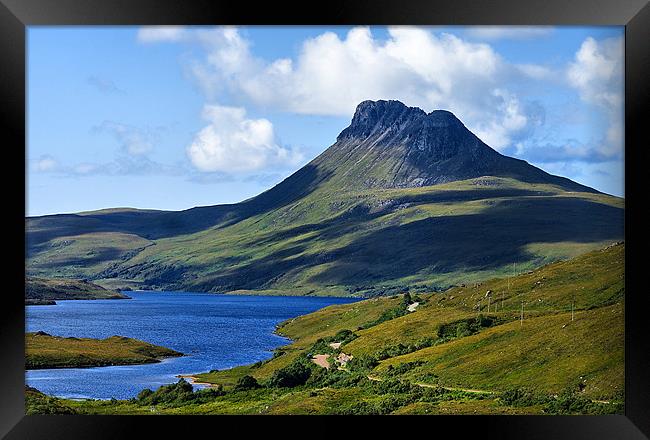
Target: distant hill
(402, 200)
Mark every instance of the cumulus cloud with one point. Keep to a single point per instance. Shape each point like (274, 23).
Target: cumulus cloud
(331, 75)
(233, 143)
(597, 74)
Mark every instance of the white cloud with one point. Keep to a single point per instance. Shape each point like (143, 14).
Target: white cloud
(597, 74)
(233, 143)
(132, 140)
(156, 34)
(331, 75)
(509, 32)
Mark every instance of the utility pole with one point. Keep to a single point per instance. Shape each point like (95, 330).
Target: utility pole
(489, 297)
(573, 306)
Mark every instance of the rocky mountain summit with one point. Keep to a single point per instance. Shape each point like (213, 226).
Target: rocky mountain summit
(391, 145)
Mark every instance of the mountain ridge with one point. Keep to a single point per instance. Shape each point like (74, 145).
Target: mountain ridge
(394, 173)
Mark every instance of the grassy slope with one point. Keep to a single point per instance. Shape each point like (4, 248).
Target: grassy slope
(46, 351)
(37, 288)
(334, 242)
(499, 357)
(541, 354)
(549, 353)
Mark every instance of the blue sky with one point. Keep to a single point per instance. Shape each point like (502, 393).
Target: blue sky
(176, 117)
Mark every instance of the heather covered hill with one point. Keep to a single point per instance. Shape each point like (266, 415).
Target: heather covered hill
(402, 199)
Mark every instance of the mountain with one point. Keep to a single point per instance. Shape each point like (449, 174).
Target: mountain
(390, 145)
(402, 199)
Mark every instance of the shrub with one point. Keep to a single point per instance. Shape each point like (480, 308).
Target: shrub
(569, 402)
(403, 368)
(523, 397)
(462, 330)
(400, 349)
(39, 403)
(144, 394)
(292, 375)
(176, 393)
(247, 383)
(362, 362)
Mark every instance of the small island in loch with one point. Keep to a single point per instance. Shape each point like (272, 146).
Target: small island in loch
(46, 351)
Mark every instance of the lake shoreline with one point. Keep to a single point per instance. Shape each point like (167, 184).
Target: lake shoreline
(215, 331)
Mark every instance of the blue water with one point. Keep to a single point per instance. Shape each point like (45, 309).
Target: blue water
(214, 331)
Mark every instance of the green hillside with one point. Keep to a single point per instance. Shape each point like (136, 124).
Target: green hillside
(445, 356)
(46, 351)
(403, 200)
(363, 242)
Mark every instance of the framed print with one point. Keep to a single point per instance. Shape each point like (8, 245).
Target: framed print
(391, 209)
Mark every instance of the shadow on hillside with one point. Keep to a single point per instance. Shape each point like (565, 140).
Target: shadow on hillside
(356, 218)
(490, 239)
(487, 240)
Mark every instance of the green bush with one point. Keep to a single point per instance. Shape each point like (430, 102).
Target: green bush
(465, 327)
(247, 383)
(39, 403)
(178, 393)
(362, 363)
(401, 349)
(523, 397)
(403, 368)
(292, 375)
(569, 402)
(144, 394)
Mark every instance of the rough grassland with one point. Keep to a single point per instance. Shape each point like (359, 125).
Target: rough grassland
(46, 351)
(547, 364)
(334, 242)
(548, 352)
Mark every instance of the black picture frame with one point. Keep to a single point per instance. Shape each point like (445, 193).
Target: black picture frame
(15, 15)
